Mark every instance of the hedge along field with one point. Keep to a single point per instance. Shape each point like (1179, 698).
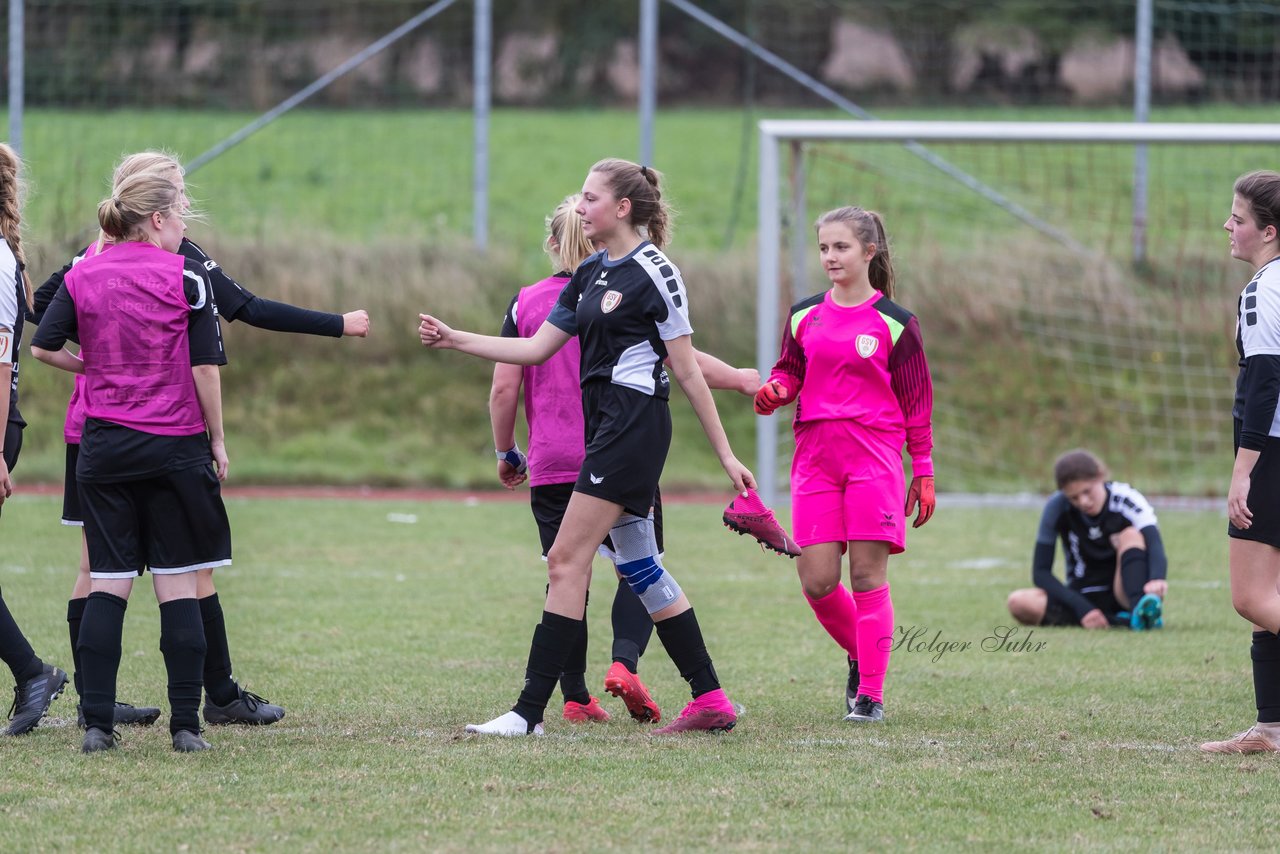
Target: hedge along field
(340, 210)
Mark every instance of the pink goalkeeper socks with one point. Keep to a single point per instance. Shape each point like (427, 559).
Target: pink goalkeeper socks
(875, 639)
(839, 616)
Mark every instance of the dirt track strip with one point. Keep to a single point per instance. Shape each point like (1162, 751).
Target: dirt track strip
(372, 493)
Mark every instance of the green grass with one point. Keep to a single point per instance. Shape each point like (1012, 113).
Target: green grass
(382, 639)
(407, 174)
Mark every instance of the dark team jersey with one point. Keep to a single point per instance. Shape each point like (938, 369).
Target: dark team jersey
(16, 324)
(232, 300)
(1086, 543)
(112, 452)
(623, 312)
(1258, 343)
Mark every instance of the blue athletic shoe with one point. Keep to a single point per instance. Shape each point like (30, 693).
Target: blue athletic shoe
(1147, 614)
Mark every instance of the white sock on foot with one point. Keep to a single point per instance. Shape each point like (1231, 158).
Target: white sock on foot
(508, 724)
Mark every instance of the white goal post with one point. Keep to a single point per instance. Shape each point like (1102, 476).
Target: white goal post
(774, 206)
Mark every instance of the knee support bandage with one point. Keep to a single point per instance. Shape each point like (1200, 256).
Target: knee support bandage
(636, 549)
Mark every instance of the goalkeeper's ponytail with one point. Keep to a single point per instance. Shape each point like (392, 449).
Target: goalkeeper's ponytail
(880, 268)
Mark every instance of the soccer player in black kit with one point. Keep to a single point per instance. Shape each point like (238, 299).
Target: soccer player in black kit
(36, 683)
(1115, 559)
(227, 702)
(628, 307)
(1253, 499)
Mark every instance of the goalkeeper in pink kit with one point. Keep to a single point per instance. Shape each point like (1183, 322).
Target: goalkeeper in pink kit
(853, 361)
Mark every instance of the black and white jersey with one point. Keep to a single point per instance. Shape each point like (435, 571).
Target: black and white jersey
(1086, 540)
(13, 306)
(1258, 343)
(623, 312)
(228, 294)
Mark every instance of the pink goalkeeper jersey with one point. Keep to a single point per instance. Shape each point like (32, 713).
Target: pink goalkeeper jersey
(862, 363)
(132, 313)
(552, 392)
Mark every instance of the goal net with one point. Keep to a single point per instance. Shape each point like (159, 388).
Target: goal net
(1072, 280)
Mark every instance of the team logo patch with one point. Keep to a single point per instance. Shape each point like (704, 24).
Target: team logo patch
(867, 345)
(610, 301)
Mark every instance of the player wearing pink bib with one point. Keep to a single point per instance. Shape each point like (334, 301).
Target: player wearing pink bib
(853, 360)
(150, 346)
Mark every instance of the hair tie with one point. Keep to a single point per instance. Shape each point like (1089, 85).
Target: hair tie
(645, 173)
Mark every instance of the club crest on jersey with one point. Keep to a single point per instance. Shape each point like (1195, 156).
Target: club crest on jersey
(867, 345)
(610, 301)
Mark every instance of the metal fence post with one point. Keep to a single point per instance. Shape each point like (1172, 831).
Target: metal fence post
(648, 77)
(1141, 111)
(482, 63)
(16, 68)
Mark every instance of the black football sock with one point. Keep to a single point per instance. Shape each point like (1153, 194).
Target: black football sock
(183, 646)
(218, 683)
(682, 638)
(573, 681)
(75, 613)
(632, 627)
(1134, 574)
(553, 639)
(99, 645)
(1266, 676)
(15, 651)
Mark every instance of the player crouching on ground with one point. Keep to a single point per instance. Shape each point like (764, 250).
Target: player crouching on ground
(1115, 561)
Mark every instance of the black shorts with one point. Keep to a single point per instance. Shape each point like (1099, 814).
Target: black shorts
(549, 502)
(171, 523)
(71, 512)
(13, 443)
(628, 436)
(1264, 499)
(1058, 614)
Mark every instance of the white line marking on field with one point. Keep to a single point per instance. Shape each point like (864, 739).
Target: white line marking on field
(1159, 748)
(980, 563)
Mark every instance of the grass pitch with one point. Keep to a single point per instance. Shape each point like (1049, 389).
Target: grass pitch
(383, 636)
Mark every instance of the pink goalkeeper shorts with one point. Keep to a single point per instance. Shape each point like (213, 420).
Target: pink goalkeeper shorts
(847, 483)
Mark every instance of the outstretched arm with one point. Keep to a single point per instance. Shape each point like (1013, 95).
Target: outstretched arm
(720, 374)
(684, 365)
(544, 344)
(283, 317)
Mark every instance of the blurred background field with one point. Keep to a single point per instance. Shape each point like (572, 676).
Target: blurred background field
(363, 199)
